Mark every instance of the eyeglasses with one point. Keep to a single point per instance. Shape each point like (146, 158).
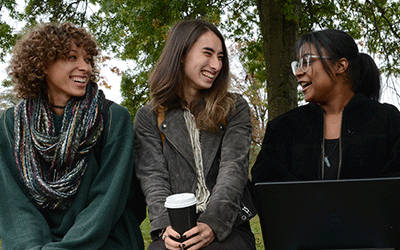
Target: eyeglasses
(304, 63)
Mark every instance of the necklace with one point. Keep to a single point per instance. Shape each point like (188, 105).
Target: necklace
(58, 107)
(326, 158)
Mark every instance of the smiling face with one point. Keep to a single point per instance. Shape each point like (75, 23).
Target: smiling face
(316, 84)
(202, 64)
(68, 78)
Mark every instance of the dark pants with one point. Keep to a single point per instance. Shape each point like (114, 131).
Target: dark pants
(241, 238)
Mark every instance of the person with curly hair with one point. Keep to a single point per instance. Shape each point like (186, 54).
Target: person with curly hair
(207, 133)
(66, 162)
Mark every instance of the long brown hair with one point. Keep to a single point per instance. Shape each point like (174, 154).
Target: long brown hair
(167, 79)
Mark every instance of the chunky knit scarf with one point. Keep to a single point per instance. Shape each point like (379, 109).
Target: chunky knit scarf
(202, 193)
(52, 166)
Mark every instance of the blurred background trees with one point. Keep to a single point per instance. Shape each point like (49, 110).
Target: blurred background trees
(260, 34)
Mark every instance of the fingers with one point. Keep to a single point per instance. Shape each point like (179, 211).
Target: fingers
(171, 232)
(200, 236)
(169, 242)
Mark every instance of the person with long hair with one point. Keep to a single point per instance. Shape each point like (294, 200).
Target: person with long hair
(343, 132)
(201, 146)
(66, 161)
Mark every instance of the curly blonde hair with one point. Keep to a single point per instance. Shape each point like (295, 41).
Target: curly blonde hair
(42, 46)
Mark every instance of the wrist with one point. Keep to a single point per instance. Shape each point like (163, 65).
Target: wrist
(157, 234)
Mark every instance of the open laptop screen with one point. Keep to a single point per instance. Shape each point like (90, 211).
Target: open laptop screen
(343, 214)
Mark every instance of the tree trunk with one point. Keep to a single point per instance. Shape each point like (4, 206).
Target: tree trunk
(280, 33)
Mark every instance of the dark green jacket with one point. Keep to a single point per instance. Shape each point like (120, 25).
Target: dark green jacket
(369, 143)
(98, 217)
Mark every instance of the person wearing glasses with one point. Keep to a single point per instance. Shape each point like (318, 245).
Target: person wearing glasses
(343, 132)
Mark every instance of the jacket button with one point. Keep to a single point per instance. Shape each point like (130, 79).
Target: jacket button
(164, 125)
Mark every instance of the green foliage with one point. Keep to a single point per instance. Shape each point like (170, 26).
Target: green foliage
(6, 83)
(136, 30)
(253, 59)
(7, 37)
(242, 26)
(56, 11)
(134, 91)
(374, 23)
(8, 99)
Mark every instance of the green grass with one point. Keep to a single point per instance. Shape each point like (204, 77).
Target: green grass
(145, 228)
(254, 223)
(256, 228)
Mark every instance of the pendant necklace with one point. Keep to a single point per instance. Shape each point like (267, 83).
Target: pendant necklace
(326, 158)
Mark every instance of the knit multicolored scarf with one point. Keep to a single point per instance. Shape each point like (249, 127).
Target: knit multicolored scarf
(52, 166)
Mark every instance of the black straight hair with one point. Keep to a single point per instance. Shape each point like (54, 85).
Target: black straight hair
(363, 72)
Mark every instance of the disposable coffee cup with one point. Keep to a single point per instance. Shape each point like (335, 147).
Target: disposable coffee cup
(182, 211)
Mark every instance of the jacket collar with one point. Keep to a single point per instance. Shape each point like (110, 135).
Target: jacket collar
(357, 99)
(175, 131)
(354, 101)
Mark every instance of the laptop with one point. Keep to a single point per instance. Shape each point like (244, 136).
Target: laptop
(342, 214)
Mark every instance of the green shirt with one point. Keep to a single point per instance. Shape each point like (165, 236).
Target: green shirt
(98, 217)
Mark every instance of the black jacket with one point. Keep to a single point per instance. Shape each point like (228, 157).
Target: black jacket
(369, 143)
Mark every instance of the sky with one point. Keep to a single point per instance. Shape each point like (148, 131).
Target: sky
(113, 80)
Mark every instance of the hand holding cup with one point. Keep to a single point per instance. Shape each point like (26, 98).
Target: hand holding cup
(182, 212)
